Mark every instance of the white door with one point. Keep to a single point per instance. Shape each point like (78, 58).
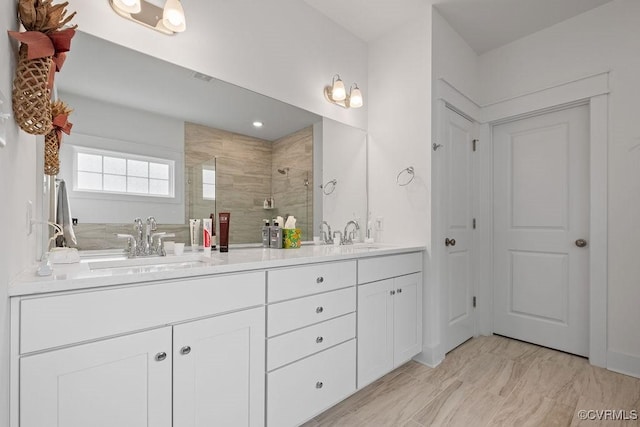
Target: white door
(407, 315)
(375, 331)
(123, 381)
(541, 222)
(218, 370)
(456, 201)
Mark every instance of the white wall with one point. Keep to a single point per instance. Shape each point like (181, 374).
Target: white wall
(400, 136)
(453, 60)
(281, 48)
(606, 38)
(344, 153)
(17, 186)
(131, 131)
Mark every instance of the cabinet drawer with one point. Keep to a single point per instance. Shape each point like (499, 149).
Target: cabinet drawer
(384, 267)
(299, 391)
(295, 345)
(57, 320)
(289, 315)
(297, 282)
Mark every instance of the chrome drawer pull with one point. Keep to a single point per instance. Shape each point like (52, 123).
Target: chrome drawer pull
(399, 290)
(320, 280)
(161, 356)
(185, 350)
(392, 292)
(319, 384)
(319, 310)
(319, 340)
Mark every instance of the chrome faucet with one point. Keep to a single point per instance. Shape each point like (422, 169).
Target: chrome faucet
(341, 239)
(350, 235)
(152, 225)
(141, 242)
(139, 233)
(327, 237)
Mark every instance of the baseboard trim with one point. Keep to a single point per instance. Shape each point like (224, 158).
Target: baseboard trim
(430, 356)
(623, 363)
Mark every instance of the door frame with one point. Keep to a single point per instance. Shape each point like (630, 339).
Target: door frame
(591, 90)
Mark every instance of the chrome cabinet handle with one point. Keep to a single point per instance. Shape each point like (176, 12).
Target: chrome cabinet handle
(319, 310)
(581, 243)
(319, 340)
(449, 242)
(319, 384)
(320, 280)
(399, 290)
(392, 292)
(185, 350)
(161, 356)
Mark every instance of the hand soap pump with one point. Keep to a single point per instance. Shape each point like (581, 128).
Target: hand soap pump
(266, 234)
(276, 236)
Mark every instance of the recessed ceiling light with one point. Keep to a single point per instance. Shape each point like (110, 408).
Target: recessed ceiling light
(257, 124)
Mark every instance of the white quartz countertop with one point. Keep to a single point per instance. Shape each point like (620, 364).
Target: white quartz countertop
(98, 271)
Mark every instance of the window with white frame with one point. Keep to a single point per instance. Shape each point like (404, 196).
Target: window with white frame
(123, 173)
(208, 183)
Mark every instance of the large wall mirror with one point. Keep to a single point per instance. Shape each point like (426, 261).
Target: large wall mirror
(152, 138)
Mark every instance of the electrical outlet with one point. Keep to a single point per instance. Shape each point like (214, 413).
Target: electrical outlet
(379, 223)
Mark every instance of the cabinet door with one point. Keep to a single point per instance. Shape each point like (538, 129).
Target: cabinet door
(218, 373)
(123, 381)
(375, 331)
(407, 318)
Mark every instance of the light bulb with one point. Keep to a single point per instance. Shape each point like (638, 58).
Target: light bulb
(355, 97)
(338, 92)
(173, 16)
(128, 6)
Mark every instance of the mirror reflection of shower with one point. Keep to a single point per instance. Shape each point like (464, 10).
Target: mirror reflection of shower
(284, 171)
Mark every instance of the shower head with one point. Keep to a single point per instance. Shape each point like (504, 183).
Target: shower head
(284, 171)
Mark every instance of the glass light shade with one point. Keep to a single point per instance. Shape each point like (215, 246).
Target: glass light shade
(338, 92)
(128, 6)
(355, 98)
(173, 16)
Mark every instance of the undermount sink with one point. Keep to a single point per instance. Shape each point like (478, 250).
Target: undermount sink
(156, 263)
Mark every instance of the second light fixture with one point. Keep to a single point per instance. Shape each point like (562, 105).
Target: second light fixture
(337, 94)
(168, 19)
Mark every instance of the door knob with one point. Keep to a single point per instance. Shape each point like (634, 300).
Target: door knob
(581, 243)
(449, 242)
(185, 350)
(161, 356)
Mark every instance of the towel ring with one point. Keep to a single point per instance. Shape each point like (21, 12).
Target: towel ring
(329, 187)
(409, 171)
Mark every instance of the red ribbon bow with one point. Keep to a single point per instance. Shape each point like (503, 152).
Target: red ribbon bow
(61, 124)
(41, 45)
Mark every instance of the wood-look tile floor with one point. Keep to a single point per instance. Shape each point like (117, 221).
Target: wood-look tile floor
(491, 381)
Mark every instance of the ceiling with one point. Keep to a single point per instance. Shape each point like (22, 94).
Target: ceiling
(484, 24)
(122, 76)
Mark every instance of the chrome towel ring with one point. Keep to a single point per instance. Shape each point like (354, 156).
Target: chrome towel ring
(406, 180)
(329, 187)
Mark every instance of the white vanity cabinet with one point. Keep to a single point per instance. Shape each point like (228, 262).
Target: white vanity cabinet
(124, 381)
(311, 347)
(83, 363)
(389, 313)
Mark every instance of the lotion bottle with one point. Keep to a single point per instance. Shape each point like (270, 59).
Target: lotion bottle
(266, 234)
(276, 236)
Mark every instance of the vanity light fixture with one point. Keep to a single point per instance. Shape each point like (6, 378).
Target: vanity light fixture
(336, 94)
(169, 19)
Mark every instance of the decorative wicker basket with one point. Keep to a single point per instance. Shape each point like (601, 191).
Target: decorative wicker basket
(51, 154)
(31, 95)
